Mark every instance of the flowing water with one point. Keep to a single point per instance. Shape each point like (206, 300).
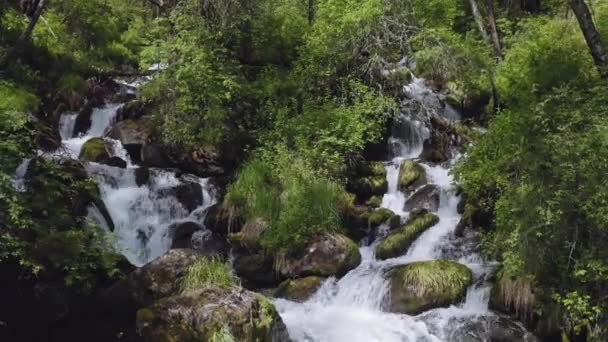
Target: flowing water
(353, 308)
(141, 215)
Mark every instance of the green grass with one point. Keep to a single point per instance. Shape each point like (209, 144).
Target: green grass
(437, 277)
(398, 241)
(222, 335)
(208, 272)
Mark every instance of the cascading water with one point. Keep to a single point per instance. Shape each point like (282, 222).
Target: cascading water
(353, 307)
(141, 214)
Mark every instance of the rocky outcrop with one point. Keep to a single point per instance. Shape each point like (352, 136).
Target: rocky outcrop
(426, 197)
(299, 290)
(210, 313)
(94, 150)
(329, 255)
(256, 270)
(411, 176)
(398, 241)
(154, 281)
(425, 285)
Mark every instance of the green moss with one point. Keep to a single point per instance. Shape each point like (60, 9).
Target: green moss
(94, 150)
(398, 241)
(222, 335)
(411, 175)
(374, 202)
(424, 285)
(379, 216)
(145, 315)
(298, 289)
(400, 76)
(377, 169)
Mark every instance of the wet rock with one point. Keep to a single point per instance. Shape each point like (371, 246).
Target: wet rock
(425, 285)
(94, 150)
(250, 234)
(132, 131)
(115, 162)
(491, 328)
(398, 241)
(426, 197)
(382, 215)
(411, 176)
(299, 290)
(329, 255)
(221, 220)
(153, 281)
(460, 227)
(142, 176)
(189, 194)
(366, 187)
(354, 218)
(181, 234)
(83, 120)
(47, 138)
(134, 109)
(374, 202)
(256, 270)
(201, 314)
(154, 155)
(209, 243)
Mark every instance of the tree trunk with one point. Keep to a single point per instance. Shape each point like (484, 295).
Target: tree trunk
(25, 35)
(486, 38)
(494, 30)
(592, 36)
(311, 11)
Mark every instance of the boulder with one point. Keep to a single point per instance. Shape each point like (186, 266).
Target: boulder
(209, 243)
(115, 162)
(142, 176)
(147, 284)
(222, 220)
(181, 233)
(132, 131)
(382, 215)
(425, 285)
(354, 218)
(460, 228)
(492, 328)
(374, 202)
(330, 255)
(398, 241)
(411, 176)
(189, 194)
(212, 314)
(366, 187)
(82, 124)
(134, 109)
(155, 155)
(298, 290)
(95, 150)
(426, 197)
(250, 234)
(256, 270)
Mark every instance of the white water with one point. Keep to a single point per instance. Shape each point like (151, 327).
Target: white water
(352, 308)
(141, 214)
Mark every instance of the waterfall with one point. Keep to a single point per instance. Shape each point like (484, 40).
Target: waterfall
(353, 307)
(141, 214)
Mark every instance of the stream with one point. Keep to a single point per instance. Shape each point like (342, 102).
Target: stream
(353, 308)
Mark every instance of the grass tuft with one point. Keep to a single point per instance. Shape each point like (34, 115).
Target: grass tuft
(208, 272)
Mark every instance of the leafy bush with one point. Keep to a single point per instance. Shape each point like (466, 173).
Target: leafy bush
(297, 203)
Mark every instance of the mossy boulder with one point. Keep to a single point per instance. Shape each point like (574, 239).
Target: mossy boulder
(299, 290)
(366, 187)
(256, 270)
(374, 202)
(382, 215)
(95, 150)
(398, 241)
(199, 314)
(411, 176)
(426, 285)
(329, 255)
(354, 218)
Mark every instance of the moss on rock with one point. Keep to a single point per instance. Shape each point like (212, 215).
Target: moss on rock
(300, 289)
(379, 216)
(199, 314)
(425, 285)
(411, 175)
(94, 150)
(398, 241)
(374, 202)
(366, 187)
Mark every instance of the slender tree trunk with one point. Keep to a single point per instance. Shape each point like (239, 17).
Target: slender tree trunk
(494, 30)
(592, 36)
(486, 38)
(311, 11)
(27, 33)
